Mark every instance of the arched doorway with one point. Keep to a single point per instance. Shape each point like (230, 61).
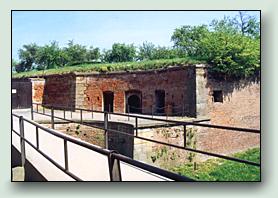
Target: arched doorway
(108, 101)
(133, 102)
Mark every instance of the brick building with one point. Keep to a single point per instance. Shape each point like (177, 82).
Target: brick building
(185, 90)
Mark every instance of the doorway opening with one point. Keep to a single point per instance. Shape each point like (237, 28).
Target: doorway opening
(134, 104)
(160, 101)
(108, 101)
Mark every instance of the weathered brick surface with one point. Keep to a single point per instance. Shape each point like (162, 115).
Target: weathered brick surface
(176, 83)
(59, 91)
(240, 108)
(183, 86)
(37, 90)
(241, 104)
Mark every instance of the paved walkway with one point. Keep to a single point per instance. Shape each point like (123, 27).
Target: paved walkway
(86, 164)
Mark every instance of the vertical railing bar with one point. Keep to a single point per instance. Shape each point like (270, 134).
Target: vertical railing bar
(37, 107)
(136, 125)
(106, 129)
(81, 118)
(32, 112)
(52, 118)
(128, 109)
(12, 121)
(66, 155)
(64, 114)
(184, 134)
(22, 142)
(37, 137)
(92, 112)
(109, 112)
(114, 168)
(71, 111)
(183, 110)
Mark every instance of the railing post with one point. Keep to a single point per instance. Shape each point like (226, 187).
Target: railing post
(32, 112)
(106, 129)
(66, 155)
(136, 125)
(37, 107)
(52, 118)
(109, 107)
(71, 110)
(22, 141)
(64, 114)
(128, 112)
(184, 134)
(92, 112)
(182, 110)
(81, 117)
(167, 111)
(114, 168)
(152, 111)
(37, 137)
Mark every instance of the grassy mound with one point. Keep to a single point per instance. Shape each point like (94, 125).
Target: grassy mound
(108, 67)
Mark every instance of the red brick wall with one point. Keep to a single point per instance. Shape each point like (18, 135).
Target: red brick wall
(240, 108)
(241, 103)
(177, 83)
(59, 91)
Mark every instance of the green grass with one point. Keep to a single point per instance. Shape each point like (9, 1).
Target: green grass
(108, 67)
(224, 170)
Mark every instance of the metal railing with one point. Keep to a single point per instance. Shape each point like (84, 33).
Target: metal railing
(168, 122)
(113, 158)
(167, 110)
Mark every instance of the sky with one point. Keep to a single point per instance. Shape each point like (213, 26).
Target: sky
(103, 28)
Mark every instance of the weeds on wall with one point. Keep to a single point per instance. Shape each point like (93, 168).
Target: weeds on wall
(166, 156)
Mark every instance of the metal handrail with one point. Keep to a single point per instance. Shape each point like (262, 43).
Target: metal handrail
(112, 155)
(177, 123)
(171, 121)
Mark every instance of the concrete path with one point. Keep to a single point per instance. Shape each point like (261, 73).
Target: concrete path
(84, 163)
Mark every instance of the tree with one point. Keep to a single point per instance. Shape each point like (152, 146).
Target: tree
(50, 56)
(248, 25)
(231, 54)
(120, 53)
(187, 39)
(232, 51)
(27, 55)
(93, 54)
(76, 53)
(146, 51)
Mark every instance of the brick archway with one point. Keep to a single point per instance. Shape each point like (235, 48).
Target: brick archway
(134, 101)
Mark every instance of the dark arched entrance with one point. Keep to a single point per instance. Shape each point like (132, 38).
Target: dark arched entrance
(133, 102)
